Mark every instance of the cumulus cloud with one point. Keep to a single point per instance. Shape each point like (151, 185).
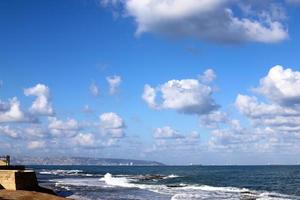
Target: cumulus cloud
(166, 133)
(114, 82)
(208, 76)
(112, 124)
(166, 138)
(281, 112)
(281, 86)
(35, 131)
(273, 116)
(250, 107)
(214, 119)
(37, 144)
(94, 89)
(187, 96)
(149, 96)
(63, 128)
(210, 20)
(11, 112)
(235, 138)
(275, 123)
(84, 139)
(6, 130)
(41, 105)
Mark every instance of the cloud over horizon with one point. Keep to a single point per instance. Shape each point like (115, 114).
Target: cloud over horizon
(274, 117)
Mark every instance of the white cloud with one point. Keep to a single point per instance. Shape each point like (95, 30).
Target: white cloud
(114, 82)
(234, 138)
(11, 112)
(94, 89)
(6, 130)
(63, 128)
(272, 116)
(112, 124)
(211, 20)
(166, 138)
(38, 144)
(213, 119)
(281, 114)
(250, 107)
(35, 131)
(84, 139)
(281, 86)
(166, 133)
(42, 104)
(187, 96)
(275, 123)
(149, 96)
(208, 76)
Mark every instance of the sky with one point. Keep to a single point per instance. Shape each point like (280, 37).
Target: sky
(212, 82)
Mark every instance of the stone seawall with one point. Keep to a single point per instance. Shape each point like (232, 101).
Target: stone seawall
(18, 180)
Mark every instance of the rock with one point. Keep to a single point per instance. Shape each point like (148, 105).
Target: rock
(27, 195)
(152, 177)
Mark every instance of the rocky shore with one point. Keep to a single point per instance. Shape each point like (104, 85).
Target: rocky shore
(27, 195)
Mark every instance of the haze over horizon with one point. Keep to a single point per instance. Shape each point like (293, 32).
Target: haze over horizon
(174, 81)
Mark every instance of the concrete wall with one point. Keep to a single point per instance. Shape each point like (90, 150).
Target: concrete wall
(18, 180)
(3, 163)
(7, 179)
(26, 180)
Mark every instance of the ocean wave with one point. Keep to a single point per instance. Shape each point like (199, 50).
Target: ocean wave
(195, 192)
(60, 172)
(171, 176)
(179, 191)
(79, 197)
(87, 182)
(117, 181)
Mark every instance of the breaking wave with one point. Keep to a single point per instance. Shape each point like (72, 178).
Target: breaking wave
(60, 172)
(116, 181)
(175, 192)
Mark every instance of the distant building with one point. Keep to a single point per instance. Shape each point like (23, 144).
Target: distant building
(15, 177)
(4, 160)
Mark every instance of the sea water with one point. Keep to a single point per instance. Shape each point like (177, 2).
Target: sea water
(172, 182)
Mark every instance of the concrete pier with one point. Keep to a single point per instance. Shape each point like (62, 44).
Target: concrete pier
(16, 177)
(18, 180)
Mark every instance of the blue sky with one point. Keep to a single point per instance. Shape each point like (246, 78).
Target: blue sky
(54, 53)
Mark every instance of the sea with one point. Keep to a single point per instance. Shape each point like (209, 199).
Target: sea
(171, 182)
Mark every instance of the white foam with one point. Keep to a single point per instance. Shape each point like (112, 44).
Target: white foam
(171, 176)
(182, 192)
(116, 181)
(61, 172)
(185, 197)
(90, 182)
(78, 197)
(214, 189)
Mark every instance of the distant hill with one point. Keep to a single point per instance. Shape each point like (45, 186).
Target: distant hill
(81, 161)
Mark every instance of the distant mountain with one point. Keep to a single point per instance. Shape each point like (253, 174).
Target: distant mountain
(81, 161)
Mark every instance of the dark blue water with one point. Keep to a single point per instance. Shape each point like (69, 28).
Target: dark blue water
(169, 182)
